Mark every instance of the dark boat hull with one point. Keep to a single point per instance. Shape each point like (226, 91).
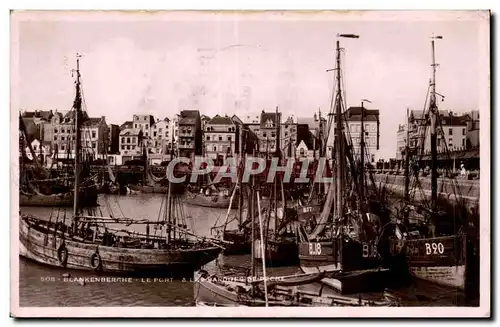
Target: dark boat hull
(44, 248)
(149, 189)
(281, 252)
(240, 242)
(325, 255)
(441, 260)
(88, 197)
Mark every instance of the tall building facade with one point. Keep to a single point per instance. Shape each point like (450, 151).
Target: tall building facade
(189, 142)
(371, 129)
(220, 138)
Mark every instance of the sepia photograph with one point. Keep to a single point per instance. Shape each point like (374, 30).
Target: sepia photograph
(183, 163)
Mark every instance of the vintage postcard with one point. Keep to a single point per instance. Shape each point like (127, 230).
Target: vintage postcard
(181, 163)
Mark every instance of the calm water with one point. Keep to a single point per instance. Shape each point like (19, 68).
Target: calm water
(41, 285)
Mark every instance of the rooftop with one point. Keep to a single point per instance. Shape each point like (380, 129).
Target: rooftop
(221, 120)
(190, 113)
(130, 132)
(93, 121)
(187, 121)
(266, 117)
(354, 114)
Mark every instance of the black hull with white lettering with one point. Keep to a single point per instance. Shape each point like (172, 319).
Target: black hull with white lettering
(328, 256)
(441, 260)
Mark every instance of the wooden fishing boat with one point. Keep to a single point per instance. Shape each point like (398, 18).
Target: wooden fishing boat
(282, 291)
(104, 244)
(253, 290)
(281, 251)
(238, 241)
(87, 197)
(219, 200)
(149, 189)
(54, 245)
(445, 259)
(345, 242)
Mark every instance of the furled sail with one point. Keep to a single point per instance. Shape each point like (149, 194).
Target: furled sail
(323, 218)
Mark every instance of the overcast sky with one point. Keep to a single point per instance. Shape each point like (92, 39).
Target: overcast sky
(238, 63)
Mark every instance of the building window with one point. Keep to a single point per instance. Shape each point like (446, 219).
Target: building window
(123, 147)
(154, 134)
(264, 135)
(463, 142)
(63, 147)
(463, 131)
(273, 135)
(220, 138)
(128, 147)
(55, 130)
(450, 131)
(373, 158)
(93, 134)
(208, 137)
(302, 152)
(229, 137)
(160, 130)
(135, 125)
(215, 148)
(147, 126)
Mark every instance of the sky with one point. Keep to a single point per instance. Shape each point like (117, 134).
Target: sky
(240, 63)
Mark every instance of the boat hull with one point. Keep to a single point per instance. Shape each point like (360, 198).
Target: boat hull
(441, 260)
(149, 189)
(278, 253)
(240, 242)
(325, 255)
(44, 248)
(213, 201)
(88, 197)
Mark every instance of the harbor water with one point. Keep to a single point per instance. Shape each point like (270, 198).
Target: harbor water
(44, 286)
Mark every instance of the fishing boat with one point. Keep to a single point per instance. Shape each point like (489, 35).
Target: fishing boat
(280, 240)
(233, 290)
(105, 245)
(205, 198)
(283, 291)
(238, 240)
(347, 241)
(444, 258)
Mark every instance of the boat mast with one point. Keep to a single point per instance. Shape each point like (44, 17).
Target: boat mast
(252, 218)
(77, 104)
(240, 173)
(433, 111)
(362, 154)
(339, 161)
(278, 153)
(407, 157)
